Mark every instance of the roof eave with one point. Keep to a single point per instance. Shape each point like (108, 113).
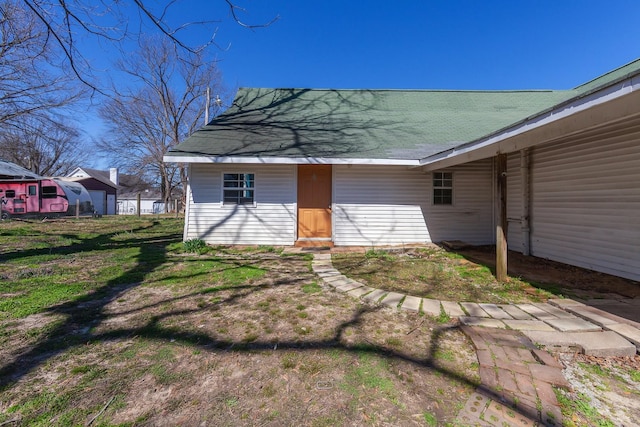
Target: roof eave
(179, 158)
(583, 101)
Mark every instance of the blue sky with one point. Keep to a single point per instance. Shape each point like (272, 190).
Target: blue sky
(457, 44)
(418, 44)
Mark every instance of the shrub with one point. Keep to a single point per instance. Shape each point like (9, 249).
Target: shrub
(194, 246)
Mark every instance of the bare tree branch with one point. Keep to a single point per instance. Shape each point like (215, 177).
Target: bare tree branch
(110, 21)
(233, 8)
(146, 122)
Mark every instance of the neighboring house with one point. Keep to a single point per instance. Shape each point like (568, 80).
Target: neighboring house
(376, 167)
(150, 202)
(101, 185)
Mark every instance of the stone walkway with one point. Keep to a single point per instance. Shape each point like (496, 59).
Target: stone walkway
(516, 376)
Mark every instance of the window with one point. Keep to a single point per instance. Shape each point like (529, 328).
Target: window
(442, 188)
(238, 188)
(49, 192)
(33, 190)
(10, 194)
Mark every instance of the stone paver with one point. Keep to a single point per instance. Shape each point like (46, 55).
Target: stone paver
(411, 303)
(629, 332)
(392, 299)
(591, 314)
(546, 358)
(606, 343)
(527, 325)
(555, 311)
(452, 308)
(481, 321)
(359, 292)
(503, 415)
(516, 313)
(548, 374)
(574, 324)
(375, 295)
(495, 311)
(473, 410)
(348, 286)
(333, 279)
(536, 312)
(325, 271)
(431, 306)
(565, 303)
(473, 309)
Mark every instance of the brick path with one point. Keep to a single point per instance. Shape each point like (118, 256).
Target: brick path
(516, 376)
(517, 380)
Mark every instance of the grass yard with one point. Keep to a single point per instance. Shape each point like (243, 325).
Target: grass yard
(114, 321)
(432, 272)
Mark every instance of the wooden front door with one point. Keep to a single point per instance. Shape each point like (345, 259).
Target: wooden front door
(314, 202)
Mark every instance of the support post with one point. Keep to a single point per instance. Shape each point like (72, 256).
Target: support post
(176, 206)
(525, 178)
(77, 208)
(138, 203)
(501, 229)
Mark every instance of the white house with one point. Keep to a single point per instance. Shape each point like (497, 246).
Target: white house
(376, 167)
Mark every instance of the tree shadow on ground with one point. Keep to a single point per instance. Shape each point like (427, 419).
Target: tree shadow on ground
(87, 312)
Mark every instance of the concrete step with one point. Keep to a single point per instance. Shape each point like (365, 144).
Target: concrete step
(601, 344)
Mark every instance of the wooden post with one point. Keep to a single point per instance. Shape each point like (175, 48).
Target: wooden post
(77, 208)
(176, 204)
(501, 229)
(138, 203)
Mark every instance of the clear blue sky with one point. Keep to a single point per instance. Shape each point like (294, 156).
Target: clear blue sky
(418, 44)
(456, 44)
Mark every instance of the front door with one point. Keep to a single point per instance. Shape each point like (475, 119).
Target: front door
(314, 202)
(32, 198)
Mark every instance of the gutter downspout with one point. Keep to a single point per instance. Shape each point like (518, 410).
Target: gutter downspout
(185, 233)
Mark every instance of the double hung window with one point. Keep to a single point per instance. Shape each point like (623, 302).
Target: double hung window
(442, 188)
(238, 189)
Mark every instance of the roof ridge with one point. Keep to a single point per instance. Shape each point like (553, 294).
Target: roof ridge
(635, 71)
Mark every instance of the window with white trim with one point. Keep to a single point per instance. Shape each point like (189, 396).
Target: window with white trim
(238, 189)
(442, 188)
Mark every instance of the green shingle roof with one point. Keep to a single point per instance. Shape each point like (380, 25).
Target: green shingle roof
(367, 124)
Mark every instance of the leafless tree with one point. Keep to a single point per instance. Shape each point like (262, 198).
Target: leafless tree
(30, 82)
(45, 147)
(144, 123)
(109, 22)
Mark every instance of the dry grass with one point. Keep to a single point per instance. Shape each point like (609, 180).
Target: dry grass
(434, 273)
(159, 336)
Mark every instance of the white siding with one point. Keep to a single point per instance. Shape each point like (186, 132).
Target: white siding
(514, 203)
(270, 222)
(470, 219)
(585, 206)
(379, 205)
(388, 205)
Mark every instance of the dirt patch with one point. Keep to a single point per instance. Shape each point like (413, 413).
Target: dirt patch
(279, 350)
(572, 281)
(602, 389)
